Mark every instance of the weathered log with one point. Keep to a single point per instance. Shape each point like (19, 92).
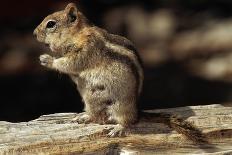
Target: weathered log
(56, 134)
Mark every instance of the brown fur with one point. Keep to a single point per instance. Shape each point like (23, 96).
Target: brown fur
(105, 67)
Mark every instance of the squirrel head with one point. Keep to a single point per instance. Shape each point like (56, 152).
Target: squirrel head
(58, 30)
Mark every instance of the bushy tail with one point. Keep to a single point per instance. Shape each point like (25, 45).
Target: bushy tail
(181, 126)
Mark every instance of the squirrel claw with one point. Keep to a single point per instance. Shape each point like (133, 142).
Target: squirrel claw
(81, 119)
(117, 131)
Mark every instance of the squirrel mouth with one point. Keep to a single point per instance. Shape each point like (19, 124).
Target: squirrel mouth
(53, 48)
(50, 46)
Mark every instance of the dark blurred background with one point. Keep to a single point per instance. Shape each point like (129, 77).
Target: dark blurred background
(186, 47)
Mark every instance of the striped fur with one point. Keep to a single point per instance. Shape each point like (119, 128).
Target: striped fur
(105, 67)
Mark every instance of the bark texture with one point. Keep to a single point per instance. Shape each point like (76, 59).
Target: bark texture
(56, 134)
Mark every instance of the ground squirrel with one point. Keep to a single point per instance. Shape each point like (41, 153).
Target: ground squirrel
(105, 67)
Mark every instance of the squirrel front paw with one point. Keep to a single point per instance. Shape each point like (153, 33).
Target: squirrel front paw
(46, 60)
(82, 118)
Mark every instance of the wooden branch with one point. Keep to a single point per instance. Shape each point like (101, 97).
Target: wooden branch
(56, 134)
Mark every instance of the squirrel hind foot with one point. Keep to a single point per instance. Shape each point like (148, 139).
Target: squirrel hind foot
(117, 131)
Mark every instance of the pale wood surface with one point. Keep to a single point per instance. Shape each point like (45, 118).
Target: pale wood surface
(56, 134)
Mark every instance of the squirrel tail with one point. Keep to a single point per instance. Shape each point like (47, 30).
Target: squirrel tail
(181, 126)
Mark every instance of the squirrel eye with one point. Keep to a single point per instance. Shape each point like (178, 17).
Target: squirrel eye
(51, 24)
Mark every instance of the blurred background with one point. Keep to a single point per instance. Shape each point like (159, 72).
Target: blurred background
(186, 47)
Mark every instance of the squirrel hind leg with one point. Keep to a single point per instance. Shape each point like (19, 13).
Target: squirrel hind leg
(124, 114)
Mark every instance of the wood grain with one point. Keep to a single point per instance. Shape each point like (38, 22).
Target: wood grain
(56, 134)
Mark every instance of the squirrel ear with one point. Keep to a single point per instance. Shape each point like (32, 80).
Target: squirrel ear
(71, 11)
